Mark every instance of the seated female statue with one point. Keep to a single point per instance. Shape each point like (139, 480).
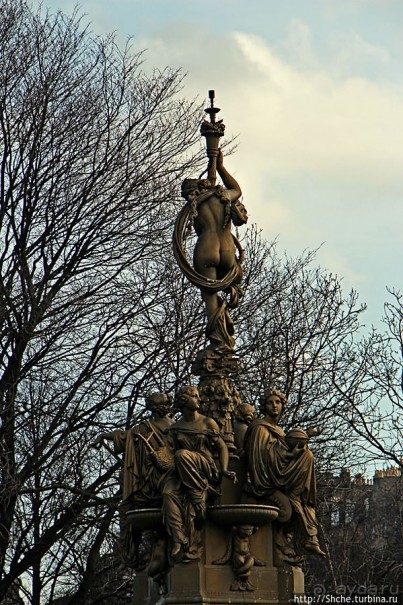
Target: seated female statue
(281, 468)
(195, 477)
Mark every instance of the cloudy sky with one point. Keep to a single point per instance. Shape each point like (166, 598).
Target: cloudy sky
(314, 89)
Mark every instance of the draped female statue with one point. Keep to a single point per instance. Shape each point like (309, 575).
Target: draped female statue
(196, 477)
(141, 480)
(281, 468)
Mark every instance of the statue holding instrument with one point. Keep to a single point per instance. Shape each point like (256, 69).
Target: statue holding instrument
(141, 478)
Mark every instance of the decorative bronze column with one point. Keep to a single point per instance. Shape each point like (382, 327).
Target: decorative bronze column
(217, 271)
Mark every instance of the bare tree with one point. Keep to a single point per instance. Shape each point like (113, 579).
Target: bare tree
(91, 152)
(372, 386)
(297, 331)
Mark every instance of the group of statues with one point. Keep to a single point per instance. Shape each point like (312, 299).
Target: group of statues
(174, 465)
(178, 467)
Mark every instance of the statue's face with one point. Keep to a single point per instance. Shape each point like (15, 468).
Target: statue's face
(273, 406)
(248, 413)
(242, 210)
(245, 531)
(191, 399)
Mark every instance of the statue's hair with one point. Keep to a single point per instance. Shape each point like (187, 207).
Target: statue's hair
(181, 395)
(167, 403)
(268, 392)
(243, 409)
(190, 184)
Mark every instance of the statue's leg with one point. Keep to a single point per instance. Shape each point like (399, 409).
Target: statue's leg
(308, 519)
(279, 499)
(211, 301)
(173, 515)
(206, 259)
(194, 472)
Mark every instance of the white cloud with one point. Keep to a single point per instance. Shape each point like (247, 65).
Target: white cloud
(294, 120)
(298, 45)
(310, 122)
(354, 55)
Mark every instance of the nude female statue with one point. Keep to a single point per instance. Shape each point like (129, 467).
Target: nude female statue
(214, 254)
(212, 211)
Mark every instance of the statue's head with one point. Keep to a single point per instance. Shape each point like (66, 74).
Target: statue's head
(245, 413)
(239, 214)
(192, 188)
(244, 531)
(272, 402)
(187, 396)
(158, 404)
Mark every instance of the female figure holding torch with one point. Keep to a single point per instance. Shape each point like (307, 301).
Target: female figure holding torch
(215, 263)
(211, 211)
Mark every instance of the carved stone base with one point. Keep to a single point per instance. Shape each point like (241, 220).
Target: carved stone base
(206, 581)
(201, 583)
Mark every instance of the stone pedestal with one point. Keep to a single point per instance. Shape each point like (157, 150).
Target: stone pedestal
(145, 590)
(205, 581)
(198, 582)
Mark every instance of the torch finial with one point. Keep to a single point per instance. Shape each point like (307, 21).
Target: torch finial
(212, 111)
(212, 131)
